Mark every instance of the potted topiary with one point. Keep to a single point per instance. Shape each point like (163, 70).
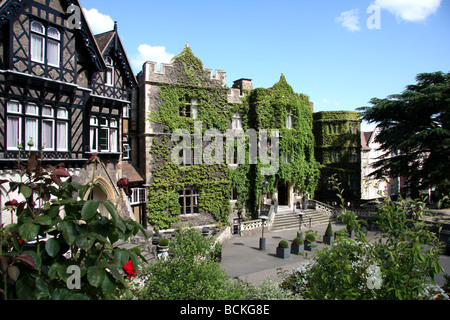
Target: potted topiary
(328, 238)
(297, 246)
(310, 240)
(283, 250)
(163, 245)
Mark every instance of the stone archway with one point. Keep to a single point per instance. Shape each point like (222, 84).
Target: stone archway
(99, 195)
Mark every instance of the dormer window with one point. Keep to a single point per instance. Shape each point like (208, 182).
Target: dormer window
(109, 77)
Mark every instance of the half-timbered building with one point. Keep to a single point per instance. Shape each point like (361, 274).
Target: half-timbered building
(64, 93)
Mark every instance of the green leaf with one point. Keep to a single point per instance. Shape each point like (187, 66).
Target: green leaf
(13, 273)
(85, 241)
(69, 231)
(53, 211)
(43, 288)
(78, 296)
(43, 220)
(52, 247)
(28, 231)
(108, 285)
(26, 191)
(25, 287)
(89, 210)
(96, 276)
(60, 294)
(121, 257)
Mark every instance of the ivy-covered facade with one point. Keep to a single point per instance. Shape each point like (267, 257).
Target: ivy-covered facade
(338, 149)
(183, 103)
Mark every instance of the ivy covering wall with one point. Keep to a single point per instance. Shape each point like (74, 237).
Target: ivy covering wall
(269, 109)
(338, 148)
(260, 109)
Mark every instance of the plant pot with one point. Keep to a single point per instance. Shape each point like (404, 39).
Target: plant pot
(283, 253)
(305, 204)
(297, 248)
(163, 248)
(328, 240)
(310, 246)
(275, 206)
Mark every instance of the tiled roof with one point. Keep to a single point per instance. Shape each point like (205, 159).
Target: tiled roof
(130, 172)
(365, 137)
(103, 39)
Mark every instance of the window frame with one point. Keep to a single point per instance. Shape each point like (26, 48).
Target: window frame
(193, 194)
(46, 40)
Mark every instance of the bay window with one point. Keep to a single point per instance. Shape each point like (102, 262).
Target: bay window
(104, 134)
(39, 125)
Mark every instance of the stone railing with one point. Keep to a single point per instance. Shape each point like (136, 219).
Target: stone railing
(254, 226)
(320, 206)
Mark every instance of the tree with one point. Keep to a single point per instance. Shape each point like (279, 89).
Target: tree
(414, 130)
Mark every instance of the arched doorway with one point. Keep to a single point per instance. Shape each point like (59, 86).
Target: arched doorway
(98, 194)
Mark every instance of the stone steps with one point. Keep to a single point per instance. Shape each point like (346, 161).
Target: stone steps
(285, 219)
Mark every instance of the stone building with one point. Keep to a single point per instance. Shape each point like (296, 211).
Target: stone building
(338, 149)
(65, 90)
(185, 99)
(371, 187)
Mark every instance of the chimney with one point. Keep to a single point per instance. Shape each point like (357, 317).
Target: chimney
(243, 84)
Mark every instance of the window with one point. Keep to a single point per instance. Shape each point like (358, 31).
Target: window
(289, 119)
(189, 109)
(48, 129)
(104, 135)
(45, 44)
(138, 196)
(286, 158)
(62, 127)
(32, 126)
(53, 47)
(13, 125)
(126, 111)
(353, 156)
(39, 125)
(126, 151)
(194, 108)
(109, 77)
(188, 199)
(37, 42)
(93, 134)
(113, 135)
(237, 121)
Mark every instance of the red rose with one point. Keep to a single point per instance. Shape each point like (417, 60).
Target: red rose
(12, 203)
(129, 269)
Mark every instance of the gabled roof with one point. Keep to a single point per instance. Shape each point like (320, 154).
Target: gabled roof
(110, 41)
(365, 140)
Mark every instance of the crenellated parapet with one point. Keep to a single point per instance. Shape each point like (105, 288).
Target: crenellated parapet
(174, 73)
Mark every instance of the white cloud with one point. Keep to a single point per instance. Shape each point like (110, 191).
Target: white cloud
(147, 52)
(350, 20)
(98, 22)
(328, 102)
(410, 10)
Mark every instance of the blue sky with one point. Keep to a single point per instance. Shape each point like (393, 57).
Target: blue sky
(323, 47)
